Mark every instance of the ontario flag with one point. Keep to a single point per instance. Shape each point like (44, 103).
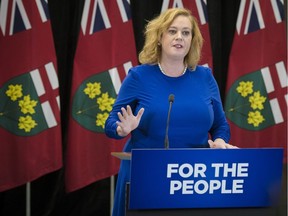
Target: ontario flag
(105, 52)
(30, 136)
(256, 102)
(199, 11)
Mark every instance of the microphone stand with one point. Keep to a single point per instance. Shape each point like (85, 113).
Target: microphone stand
(166, 141)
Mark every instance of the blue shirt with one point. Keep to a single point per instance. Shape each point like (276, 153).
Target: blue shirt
(196, 114)
(197, 109)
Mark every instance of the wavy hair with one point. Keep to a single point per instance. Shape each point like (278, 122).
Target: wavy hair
(151, 51)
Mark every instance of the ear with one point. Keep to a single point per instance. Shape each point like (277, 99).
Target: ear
(160, 40)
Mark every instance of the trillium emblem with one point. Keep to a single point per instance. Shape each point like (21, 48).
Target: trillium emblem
(93, 101)
(247, 105)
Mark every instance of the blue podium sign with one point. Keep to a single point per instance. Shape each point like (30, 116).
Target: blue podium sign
(205, 178)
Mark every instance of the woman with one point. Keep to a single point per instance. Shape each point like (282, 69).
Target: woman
(169, 66)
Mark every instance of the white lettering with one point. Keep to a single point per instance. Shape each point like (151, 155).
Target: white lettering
(198, 189)
(224, 190)
(202, 186)
(175, 186)
(242, 170)
(230, 170)
(186, 170)
(237, 186)
(188, 173)
(187, 187)
(171, 168)
(217, 168)
(214, 185)
(199, 170)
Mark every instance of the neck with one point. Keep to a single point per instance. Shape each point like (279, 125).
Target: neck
(173, 69)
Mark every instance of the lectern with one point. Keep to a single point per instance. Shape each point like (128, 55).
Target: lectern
(202, 181)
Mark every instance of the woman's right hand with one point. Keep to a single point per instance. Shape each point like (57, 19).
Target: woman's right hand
(128, 121)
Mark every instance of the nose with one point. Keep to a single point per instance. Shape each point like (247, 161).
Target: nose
(179, 35)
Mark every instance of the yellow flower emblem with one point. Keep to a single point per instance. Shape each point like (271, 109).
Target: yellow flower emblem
(26, 123)
(245, 88)
(93, 89)
(105, 102)
(27, 105)
(97, 104)
(257, 101)
(101, 119)
(14, 92)
(255, 118)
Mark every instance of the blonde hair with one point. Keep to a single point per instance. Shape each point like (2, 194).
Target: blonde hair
(151, 51)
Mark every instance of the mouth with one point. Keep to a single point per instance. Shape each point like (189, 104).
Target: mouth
(178, 46)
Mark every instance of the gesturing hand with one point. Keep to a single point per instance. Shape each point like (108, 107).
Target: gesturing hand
(128, 121)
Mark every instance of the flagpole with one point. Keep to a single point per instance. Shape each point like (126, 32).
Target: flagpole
(112, 186)
(28, 198)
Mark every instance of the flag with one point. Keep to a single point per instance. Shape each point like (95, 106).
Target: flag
(199, 11)
(30, 133)
(105, 52)
(256, 101)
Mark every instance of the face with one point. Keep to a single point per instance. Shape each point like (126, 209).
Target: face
(176, 40)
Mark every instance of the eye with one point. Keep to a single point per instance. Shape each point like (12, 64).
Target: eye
(172, 31)
(186, 33)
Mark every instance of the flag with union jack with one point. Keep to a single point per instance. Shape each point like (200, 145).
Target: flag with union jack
(256, 102)
(199, 11)
(30, 135)
(105, 52)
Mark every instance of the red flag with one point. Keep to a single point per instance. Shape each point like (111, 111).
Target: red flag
(199, 11)
(105, 52)
(256, 102)
(30, 136)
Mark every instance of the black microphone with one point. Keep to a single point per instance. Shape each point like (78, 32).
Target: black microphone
(171, 100)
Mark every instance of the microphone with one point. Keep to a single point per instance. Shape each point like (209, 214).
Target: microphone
(171, 100)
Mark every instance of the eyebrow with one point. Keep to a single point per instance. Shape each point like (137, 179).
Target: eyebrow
(185, 28)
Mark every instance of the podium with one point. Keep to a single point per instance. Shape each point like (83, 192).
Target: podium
(204, 181)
